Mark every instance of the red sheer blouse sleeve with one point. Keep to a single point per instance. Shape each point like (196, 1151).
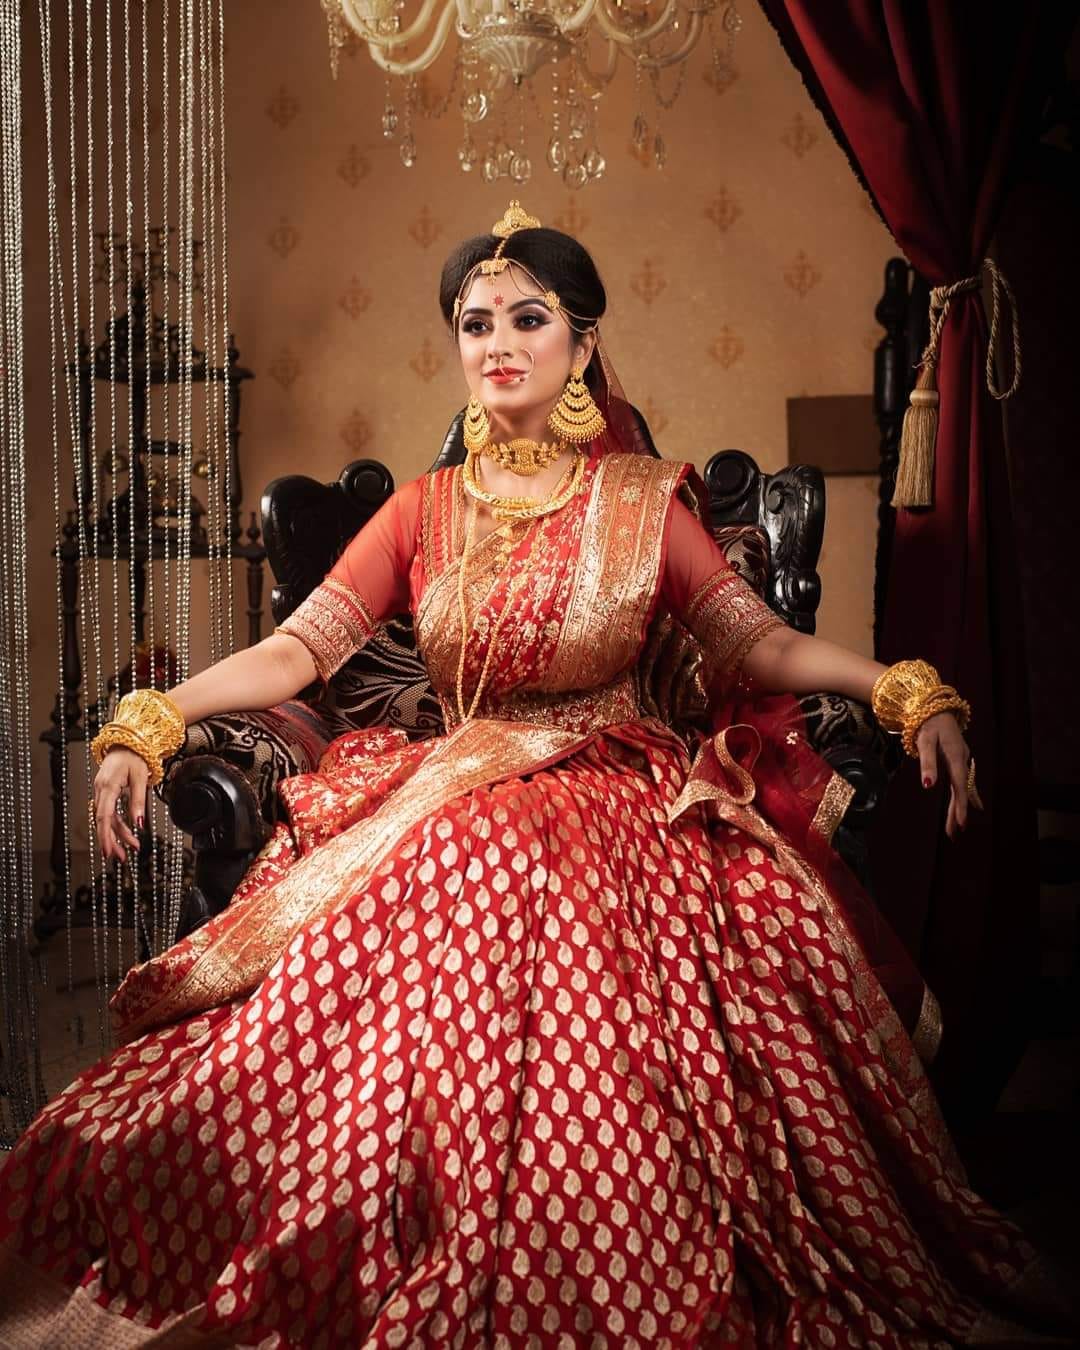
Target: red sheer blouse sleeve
(701, 588)
(367, 585)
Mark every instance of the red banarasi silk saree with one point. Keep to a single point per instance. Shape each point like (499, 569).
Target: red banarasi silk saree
(554, 1031)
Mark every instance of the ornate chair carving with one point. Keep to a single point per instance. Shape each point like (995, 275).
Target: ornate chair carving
(221, 787)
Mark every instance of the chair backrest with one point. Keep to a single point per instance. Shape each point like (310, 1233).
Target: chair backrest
(307, 524)
(789, 506)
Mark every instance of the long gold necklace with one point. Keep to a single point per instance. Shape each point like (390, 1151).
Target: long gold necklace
(511, 590)
(521, 508)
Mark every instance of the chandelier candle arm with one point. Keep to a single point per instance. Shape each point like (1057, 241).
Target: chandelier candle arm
(612, 28)
(600, 79)
(426, 57)
(580, 17)
(380, 9)
(693, 34)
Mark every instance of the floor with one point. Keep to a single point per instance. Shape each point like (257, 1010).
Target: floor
(1025, 1159)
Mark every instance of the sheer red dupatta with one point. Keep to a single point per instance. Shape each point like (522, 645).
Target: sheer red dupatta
(752, 753)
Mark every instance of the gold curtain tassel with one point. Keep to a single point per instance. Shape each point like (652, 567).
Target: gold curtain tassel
(915, 472)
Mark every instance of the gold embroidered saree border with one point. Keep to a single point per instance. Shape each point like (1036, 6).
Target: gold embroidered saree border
(476, 754)
(333, 622)
(929, 1028)
(618, 569)
(728, 617)
(39, 1309)
(835, 800)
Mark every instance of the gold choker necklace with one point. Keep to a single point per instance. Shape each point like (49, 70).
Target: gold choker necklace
(523, 456)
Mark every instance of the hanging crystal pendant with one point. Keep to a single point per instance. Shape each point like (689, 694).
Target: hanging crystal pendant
(575, 175)
(474, 106)
(503, 44)
(556, 153)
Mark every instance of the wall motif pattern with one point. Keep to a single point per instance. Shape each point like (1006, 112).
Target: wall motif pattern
(355, 298)
(741, 274)
(800, 137)
(765, 261)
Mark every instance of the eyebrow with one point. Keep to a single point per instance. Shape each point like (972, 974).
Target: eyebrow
(518, 304)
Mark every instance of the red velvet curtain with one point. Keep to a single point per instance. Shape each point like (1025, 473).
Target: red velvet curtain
(929, 101)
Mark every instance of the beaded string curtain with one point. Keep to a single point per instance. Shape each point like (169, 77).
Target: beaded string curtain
(133, 96)
(20, 1066)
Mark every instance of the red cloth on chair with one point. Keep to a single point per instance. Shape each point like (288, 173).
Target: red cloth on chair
(928, 101)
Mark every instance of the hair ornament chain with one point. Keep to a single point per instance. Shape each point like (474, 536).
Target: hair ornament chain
(513, 219)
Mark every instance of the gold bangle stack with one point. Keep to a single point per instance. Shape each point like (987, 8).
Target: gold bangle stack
(908, 694)
(148, 723)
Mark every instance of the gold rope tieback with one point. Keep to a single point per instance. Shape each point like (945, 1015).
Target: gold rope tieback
(915, 472)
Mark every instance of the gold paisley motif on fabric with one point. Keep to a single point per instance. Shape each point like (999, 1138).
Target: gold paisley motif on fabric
(926, 1038)
(234, 951)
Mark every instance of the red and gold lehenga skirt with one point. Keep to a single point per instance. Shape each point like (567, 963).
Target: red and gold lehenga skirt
(537, 1034)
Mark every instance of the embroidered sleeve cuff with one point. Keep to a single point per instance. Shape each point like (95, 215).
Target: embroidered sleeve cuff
(727, 617)
(332, 623)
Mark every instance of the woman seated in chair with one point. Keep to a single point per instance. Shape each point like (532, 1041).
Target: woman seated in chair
(563, 1028)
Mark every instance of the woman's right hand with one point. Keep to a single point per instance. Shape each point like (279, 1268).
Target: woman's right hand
(122, 773)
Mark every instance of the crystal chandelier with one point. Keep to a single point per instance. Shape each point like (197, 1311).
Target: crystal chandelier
(504, 44)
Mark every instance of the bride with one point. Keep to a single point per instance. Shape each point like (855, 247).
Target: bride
(565, 1028)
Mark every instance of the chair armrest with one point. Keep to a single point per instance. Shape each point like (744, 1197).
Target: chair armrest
(846, 734)
(214, 802)
(263, 748)
(221, 788)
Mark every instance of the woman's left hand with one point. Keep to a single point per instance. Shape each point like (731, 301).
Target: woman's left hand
(940, 737)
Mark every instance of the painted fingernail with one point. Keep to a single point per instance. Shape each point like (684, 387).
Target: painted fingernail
(927, 782)
(139, 822)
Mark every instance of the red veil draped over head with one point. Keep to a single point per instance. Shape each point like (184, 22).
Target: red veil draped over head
(754, 753)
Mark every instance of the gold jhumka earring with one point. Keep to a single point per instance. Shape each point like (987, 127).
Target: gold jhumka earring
(576, 417)
(476, 428)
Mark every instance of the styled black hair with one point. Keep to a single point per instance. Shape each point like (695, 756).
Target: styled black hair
(556, 260)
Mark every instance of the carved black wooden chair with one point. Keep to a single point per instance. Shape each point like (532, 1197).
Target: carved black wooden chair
(221, 787)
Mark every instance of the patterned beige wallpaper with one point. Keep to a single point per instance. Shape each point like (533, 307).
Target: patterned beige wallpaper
(744, 273)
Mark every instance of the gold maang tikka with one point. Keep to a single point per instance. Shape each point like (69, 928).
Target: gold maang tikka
(515, 218)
